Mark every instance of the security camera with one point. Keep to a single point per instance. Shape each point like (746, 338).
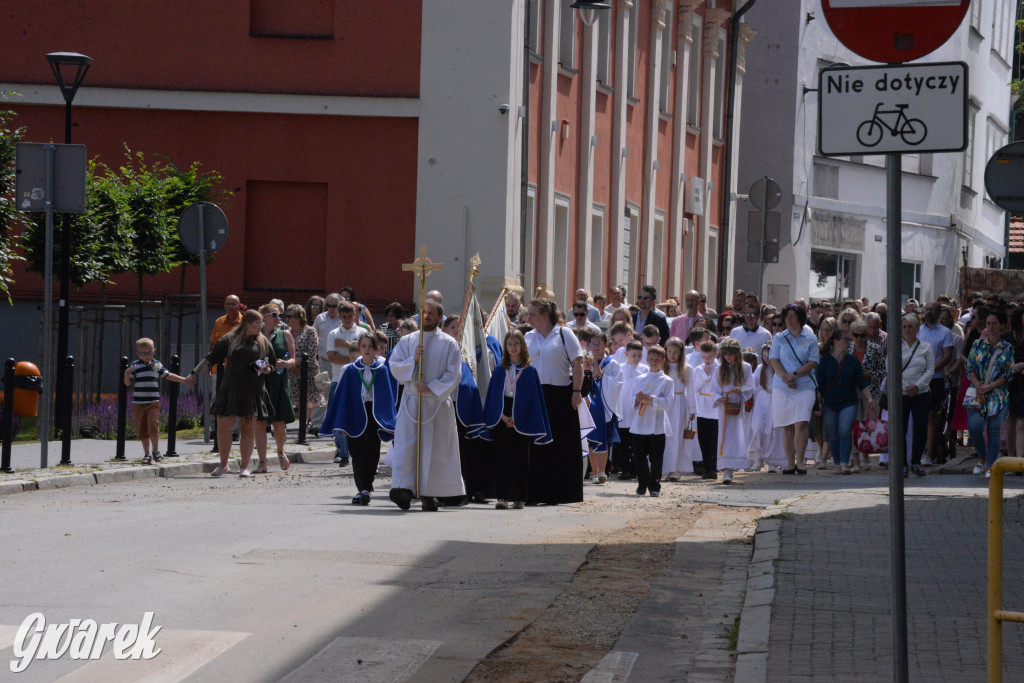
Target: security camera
(503, 108)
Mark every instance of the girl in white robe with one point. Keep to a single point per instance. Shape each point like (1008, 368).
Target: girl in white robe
(765, 446)
(733, 383)
(679, 451)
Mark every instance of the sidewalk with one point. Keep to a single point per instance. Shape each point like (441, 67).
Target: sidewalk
(830, 615)
(93, 461)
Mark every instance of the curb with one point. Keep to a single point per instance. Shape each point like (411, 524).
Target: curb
(756, 615)
(126, 474)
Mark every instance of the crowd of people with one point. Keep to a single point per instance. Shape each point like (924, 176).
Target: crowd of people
(656, 391)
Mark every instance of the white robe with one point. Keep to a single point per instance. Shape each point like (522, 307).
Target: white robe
(625, 409)
(680, 452)
(765, 438)
(440, 467)
(732, 444)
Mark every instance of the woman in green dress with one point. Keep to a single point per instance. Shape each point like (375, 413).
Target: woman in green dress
(281, 341)
(249, 358)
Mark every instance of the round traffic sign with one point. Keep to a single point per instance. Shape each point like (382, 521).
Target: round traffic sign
(765, 191)
(894, 31)
(202, 222)
(1004, 177)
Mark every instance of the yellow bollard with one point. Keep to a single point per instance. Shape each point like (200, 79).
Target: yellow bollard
(996, 615)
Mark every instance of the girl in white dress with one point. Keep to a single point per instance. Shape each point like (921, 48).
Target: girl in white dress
(679, 451)
(731, 384)
(765, 446)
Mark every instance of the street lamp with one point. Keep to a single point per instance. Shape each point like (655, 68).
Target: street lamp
(69, 68)
(588, 9)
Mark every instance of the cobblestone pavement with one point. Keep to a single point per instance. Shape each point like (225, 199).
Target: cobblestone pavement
(831, 617)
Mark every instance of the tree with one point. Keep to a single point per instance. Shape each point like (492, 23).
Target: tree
(10, 216)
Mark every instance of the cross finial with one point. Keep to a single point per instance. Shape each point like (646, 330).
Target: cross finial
(422, 267)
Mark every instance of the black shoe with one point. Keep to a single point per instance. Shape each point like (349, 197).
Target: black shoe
(357, 499)
(343, 462)
(429, 504)
(918, 470)
(641, 490)
(800, 471)
(791, 470)
(234, 436)
(401, 497)
(713, 476)
(625, 476)
(883, 465)
(364, 497)
(478, 498)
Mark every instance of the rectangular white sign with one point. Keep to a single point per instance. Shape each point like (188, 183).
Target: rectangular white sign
(878, 4)
(906, 108)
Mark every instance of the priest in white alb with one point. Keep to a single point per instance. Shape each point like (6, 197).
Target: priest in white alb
(440, 469)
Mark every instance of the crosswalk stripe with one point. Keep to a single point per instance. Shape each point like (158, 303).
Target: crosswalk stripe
(182, 654)
(365, 659)
(614, 667)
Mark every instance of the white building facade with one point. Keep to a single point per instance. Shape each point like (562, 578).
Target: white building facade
(832, 242)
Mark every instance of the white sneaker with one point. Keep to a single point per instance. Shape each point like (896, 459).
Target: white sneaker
(726, 476)
(979, 468)
(926, 461)
(988, 475)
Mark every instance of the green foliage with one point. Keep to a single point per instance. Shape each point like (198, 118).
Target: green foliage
(10, 216)
(1017, 84)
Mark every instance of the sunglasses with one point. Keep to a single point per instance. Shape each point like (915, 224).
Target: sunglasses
(332, 306)
(275, 316)
(645, 298)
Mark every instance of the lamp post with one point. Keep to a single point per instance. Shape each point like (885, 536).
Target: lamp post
(69, 68)
(588, 10)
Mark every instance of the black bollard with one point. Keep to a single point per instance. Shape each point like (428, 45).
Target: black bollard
(122, 408)
(69, 395)
(172, 411)
(303, 385)
(220, 374)
(8, 416)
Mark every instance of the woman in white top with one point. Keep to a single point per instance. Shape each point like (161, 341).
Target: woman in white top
(918, 370)
(555, 475)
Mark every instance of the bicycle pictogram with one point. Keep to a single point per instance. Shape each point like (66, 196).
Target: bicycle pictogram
(913, 131)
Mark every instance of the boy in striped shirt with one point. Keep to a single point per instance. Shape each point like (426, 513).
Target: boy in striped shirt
(146, 373)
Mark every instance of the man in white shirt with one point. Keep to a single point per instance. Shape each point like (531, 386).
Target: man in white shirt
(751, 334)
(324, 324)
(338, 355)
(616, 296)
(580, 317)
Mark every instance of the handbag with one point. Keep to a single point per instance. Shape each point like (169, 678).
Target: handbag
(733, 407)
(871, 435)
(689, 433)
(322, 381)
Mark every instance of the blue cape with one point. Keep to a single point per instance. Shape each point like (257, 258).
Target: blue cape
(495, 347)
(347, 412)
(529, 412)
(468, 406)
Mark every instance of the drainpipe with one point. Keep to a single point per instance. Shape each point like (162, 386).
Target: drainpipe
(727, 189)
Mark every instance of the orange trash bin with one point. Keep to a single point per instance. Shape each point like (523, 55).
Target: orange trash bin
(28, 385)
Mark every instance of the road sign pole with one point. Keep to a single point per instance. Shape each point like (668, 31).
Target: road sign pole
(764, 241)
(48, 378)
(897, 436)
(202, 319)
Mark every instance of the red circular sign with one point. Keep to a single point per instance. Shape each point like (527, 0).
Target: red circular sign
(894, 31)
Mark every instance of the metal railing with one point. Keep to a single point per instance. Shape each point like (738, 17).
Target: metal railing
(996, 614)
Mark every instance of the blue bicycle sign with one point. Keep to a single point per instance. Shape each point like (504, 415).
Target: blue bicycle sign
(896, 121)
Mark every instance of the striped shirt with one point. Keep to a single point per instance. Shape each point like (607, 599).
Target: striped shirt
(147, 378)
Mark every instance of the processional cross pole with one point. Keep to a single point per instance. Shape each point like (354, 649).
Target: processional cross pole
(421, 267)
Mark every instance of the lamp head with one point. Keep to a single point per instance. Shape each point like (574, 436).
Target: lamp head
(61, 61)
(588, 9)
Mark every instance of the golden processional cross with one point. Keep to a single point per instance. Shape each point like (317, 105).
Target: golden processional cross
(422, 267)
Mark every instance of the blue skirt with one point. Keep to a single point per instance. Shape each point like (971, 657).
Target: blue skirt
(604, 435)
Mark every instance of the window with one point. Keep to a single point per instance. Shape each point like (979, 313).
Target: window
(910, 282)
(632, 16)
(296, 19)
(826, 181)
(560, 254)
(976, 16)
(596, 283)
(604, 41)
(831, 276)
(711, 264)
(567, 35)
(939, 283)
(995, 136)
(696, 54)
(268, 206)
(667, 62)
(533, 8)
(630, 237)
(689, 257)
(1002, 28)
(656, 266)
(969, 151)
(718, 115)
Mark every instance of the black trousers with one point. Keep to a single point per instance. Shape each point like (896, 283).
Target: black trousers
(477, 466)
(512, 463)
(365, 452)
(648, 459)
(918, 406)
(622, 452)
(707, 437)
